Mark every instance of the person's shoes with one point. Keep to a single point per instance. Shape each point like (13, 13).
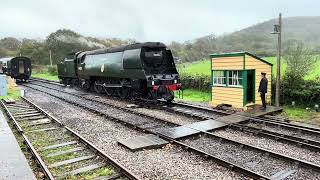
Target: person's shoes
(263, 108)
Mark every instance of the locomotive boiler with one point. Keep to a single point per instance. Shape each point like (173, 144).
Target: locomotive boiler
(144, 70)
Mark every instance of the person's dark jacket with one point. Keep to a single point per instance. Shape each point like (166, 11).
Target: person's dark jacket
(263, 87)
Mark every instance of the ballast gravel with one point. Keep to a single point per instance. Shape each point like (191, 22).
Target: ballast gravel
(168, 116)
(290, 132)
(169, 162)
(249, 158)
(141, 121)
(271, 144)
(275, 164)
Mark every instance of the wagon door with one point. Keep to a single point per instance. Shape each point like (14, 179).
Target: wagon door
(1, 68)
(21, 67)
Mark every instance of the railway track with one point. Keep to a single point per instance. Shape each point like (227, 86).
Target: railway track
(61, 152)
(194, 110)
(295, 136)
(253, 125)
(265, 119)
(218, 159)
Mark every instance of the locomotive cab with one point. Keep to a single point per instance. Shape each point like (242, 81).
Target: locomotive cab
(161, 73)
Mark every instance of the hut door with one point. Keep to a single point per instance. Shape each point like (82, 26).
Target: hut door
(250, 85)
(21, 67)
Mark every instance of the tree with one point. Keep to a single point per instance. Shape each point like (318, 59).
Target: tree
(299, 59)
(10, 43)
(63, 42)
(36, 50)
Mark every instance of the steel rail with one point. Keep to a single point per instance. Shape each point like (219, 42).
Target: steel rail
(300, 142)
(288, 122)
(310, 144)
(116, 164)
(301, 162)
(28, 144)
(259, 119)
(15, 123)
(226, 112)
(220, 161)
(121, 169)
(109, 104)
(43, 166)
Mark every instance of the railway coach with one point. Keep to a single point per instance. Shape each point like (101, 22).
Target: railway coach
(18, 68)
(144, 70)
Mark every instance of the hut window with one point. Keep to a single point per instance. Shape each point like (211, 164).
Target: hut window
(219, 77)
(235, 78)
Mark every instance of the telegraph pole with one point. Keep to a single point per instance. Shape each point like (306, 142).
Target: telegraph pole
(278, 63)
(50, 57)
(278, 30)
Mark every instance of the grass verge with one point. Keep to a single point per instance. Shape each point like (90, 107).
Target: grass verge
(46, 76)
(194, 95)
(13, 92)
(301, 114)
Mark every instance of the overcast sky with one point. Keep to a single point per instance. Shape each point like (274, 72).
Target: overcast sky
(144, 20)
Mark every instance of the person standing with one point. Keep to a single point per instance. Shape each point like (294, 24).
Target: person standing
(263, 89)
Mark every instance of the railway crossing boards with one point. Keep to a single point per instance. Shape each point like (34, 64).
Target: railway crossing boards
(143, 142)
(152, 141)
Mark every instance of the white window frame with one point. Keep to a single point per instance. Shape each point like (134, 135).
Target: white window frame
(221, 80)
(235, 79)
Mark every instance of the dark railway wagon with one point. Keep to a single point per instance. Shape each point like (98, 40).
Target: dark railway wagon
(17, 67)
(66, 71)
(138, 70)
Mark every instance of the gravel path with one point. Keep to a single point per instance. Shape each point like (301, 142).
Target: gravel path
(170, 162)
(270, 144)
(279, 129)
(250, 158)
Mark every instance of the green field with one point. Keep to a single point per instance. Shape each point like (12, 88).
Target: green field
(46, 76)
(203, 68)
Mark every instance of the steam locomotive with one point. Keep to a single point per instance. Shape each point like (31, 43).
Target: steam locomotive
(145, 70)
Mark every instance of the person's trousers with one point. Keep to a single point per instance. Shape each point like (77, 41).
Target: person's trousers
(263, 99)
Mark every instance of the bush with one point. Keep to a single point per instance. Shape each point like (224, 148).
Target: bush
(52, 70)
(300, 90)
(197, 81)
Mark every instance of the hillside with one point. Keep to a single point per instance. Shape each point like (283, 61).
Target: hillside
(256, 39)
(60, 43)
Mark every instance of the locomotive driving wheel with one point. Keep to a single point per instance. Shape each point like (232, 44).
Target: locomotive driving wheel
(85, 84)
(123, 92)
(97, 86)
(109, 91)
(75, 83)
